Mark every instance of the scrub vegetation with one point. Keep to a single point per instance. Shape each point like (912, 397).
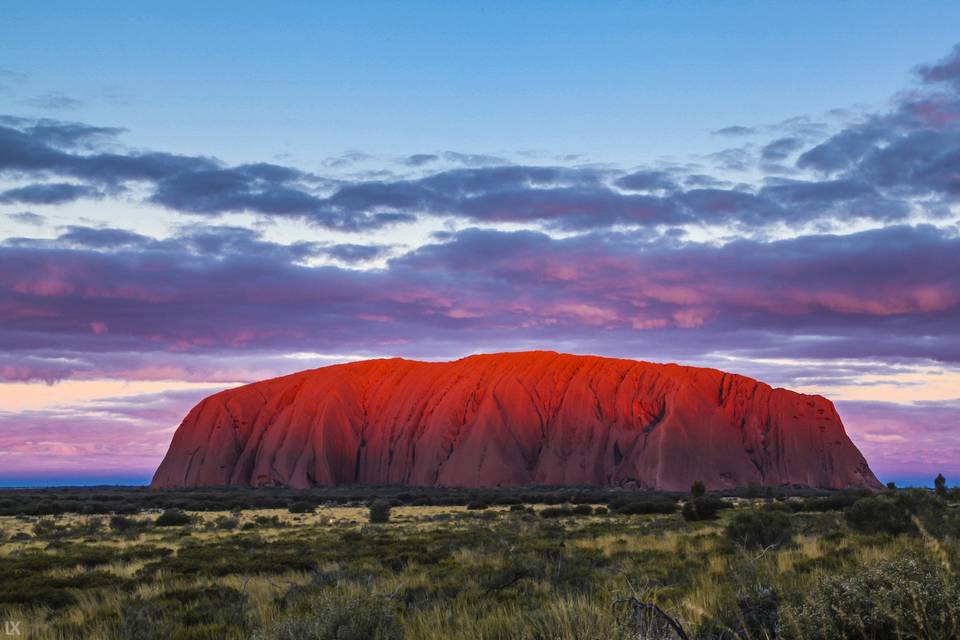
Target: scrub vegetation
(544, 564)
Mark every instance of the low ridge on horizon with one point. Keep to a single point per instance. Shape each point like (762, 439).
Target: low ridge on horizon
(513, 419)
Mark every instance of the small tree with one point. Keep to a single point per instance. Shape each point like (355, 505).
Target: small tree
(891, 485)
(379, 512)
(940, 485)
(698, 489)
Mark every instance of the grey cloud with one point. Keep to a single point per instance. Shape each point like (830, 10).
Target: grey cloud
(50, 193)
(780, 149)
(355, 253)
(735, 131)
(28, 217)
(946, 70)
(53, 101)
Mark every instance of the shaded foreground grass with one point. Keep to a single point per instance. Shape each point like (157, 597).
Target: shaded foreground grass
(487, 572)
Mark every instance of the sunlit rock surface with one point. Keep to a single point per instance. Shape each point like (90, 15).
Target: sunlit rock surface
(513, 419)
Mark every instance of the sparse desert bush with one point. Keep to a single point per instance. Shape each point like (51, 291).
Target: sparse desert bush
(566, 511)
(754, 615)
(265, 521)
(226, 523)
(760, 529)
(332, 615)
(302, 506)
(198, 614)
(122, 524)
(173, 518)
(702, 508)
(379, 512)
(907, 597)
(835, 502)
(879, 515)
(644, 506)
(437, 574)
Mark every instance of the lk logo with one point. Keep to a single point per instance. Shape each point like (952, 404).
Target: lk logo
(12, 627)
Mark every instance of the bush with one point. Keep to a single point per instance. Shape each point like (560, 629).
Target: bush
(566, 511)
(335, 616)
(210, 612)
(173, 518)
(379, 512)
(760, 529)
(644, 506)
(703, 508)
(835, 502)
(227, 523)
(879, 515)
(265, 521)
(756, 616)
(906, 597)
(301, 506)
(122, 523)
(556, 512)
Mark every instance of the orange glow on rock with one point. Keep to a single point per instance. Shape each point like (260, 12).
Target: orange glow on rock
(513, 419)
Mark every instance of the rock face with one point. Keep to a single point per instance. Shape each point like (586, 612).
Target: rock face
(513, 419)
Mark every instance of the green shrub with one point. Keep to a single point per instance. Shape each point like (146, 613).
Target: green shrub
(835, 502)
(760, 529)
(266, 521)
(122, 524)
(583, 510)
(879, 515)
(335, 616)
(379, 512)
(756, 616)
(302, 506)
(907, 597)
(173, 518)
(702, 508)
(644, 506)
(207, 613)
(227, 523)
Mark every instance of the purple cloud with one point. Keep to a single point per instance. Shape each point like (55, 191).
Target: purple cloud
(207, 292)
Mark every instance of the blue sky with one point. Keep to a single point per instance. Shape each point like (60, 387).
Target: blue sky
(197, 195)
(618, 82)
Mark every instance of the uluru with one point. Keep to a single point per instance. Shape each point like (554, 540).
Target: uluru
(511, 419)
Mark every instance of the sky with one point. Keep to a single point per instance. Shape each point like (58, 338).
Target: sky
(192, 198)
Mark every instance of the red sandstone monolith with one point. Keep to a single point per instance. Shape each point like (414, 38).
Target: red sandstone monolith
(513, 419)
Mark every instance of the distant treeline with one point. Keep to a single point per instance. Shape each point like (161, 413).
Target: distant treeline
(121, 500)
